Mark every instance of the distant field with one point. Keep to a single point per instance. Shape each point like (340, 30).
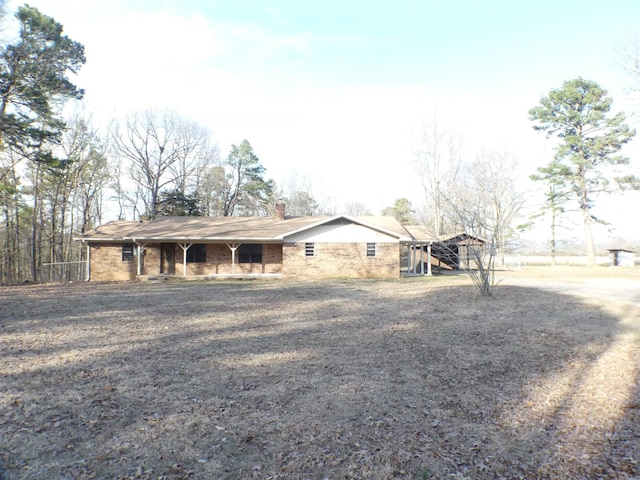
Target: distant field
(568, 273)
(545, 260)
(410, 379)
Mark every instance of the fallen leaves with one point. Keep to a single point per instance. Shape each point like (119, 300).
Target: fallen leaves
(350, 380)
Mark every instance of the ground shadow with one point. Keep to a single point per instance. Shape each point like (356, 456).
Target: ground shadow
(338, 379)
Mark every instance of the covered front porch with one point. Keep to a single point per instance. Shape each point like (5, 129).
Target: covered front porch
(206, 277)
(207, 260)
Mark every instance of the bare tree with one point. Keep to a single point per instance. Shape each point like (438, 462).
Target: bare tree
(298, 193)
(484, 205)
(438, 157)
(160, 150)
(91, 171)
(356, 209)
(196, 155)
(628, 57)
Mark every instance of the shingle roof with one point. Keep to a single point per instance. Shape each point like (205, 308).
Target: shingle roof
(111, 231)
(262, 229)
(220, 228)
(421, 233)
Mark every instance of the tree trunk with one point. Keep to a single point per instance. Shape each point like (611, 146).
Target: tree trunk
(552, 242)
(35, 243)
(588, 237)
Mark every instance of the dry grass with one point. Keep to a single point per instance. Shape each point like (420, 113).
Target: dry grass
(418, 378)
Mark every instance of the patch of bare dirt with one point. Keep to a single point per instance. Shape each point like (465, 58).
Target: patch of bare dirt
(411, 379)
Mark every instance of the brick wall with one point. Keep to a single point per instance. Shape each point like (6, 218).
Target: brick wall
(330, 260)
(107, 264)
(342, 260)
(151, 260)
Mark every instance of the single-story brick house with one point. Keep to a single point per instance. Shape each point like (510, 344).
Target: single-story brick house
(321, 246)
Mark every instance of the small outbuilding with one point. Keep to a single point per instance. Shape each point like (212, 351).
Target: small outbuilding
(620, 257)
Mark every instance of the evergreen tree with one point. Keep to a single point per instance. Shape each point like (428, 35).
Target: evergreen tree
(179, 204)
(34, 82)
(402, 211)
(245, 189)
(587, 156)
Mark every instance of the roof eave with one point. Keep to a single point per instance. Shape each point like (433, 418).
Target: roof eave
(135, 238)
(100, 240)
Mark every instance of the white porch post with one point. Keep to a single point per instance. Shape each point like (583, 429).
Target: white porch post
(141, 247)
(233, 247)
(429, 259)
(422, 259)
(184, 248)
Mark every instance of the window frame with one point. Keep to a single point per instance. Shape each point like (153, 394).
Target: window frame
(309, 249)
(251, 253)
(371, 249)
(127, 256)
(197, 253)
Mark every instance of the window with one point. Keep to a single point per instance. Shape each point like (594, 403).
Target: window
(309, 249)
(127, 252)
(250, 253)
(197, 253)
(371, 249)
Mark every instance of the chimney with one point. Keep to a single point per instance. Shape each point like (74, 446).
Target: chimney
(280, 207)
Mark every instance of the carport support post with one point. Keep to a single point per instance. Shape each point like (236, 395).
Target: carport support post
(415, 265)
(408, 259)
(422, 259)
(88, 265)
(429, 259)
(409, 263)
(184, 248)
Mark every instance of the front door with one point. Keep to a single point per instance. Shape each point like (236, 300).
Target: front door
(168, 259)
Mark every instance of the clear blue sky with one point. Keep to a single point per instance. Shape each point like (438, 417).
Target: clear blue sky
(337, 90)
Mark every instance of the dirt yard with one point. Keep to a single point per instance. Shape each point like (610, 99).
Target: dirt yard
(410, 379)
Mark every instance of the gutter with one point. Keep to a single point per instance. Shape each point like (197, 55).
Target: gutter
(205, 239)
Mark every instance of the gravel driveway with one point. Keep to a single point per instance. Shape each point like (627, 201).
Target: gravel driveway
(617, 289)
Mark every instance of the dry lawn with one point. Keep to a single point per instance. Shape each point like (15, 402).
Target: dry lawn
(411, 379)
